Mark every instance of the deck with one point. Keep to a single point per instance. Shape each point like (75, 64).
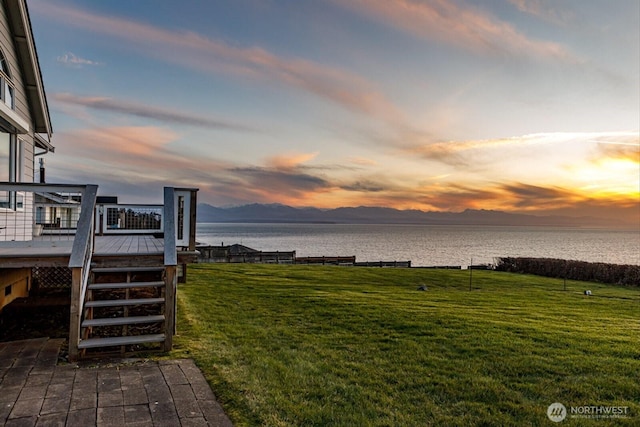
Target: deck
(104, 245)
(44, 251)
(114, 247)
(126, 245)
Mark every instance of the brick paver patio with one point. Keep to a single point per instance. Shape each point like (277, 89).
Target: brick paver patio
(35, 391)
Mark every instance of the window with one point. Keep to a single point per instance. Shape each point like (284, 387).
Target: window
(5, 156)
(11, 157)
(7, 91)
(16, 169)
(11, 169)
(4, 66)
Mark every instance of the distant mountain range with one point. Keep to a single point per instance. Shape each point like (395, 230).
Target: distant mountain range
(276, 213)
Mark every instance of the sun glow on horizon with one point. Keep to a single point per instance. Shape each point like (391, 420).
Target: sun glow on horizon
(610, 177)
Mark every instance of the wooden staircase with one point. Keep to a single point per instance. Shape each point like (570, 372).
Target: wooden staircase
(124, 311)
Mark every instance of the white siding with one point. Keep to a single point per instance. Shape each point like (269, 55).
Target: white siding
(8, 48)
(17, 225)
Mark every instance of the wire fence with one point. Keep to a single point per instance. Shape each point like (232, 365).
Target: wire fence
(113, 219)
(33, 215)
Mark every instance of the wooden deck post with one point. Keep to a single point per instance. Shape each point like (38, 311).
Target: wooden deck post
(74, 316)
(170, 283)
(183, 276)
(170, 267)
(193, 208)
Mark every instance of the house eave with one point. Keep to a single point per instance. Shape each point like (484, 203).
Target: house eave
(23, 39)
(43, 143)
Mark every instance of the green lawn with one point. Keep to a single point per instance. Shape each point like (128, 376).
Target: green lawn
(340, 346)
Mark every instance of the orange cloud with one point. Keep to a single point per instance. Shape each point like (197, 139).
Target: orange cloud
(508, 196)
(133, 158)
(466, 153)
(363, 161)
(460, 152)
(628, 151)
(447, 22)
(289, 161)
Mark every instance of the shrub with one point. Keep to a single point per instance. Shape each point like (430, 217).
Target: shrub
(628, 275)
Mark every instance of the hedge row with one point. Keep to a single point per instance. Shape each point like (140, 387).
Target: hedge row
(628, 275)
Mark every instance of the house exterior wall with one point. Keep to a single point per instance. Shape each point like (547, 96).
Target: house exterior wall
(8, 48)
(21, 100)
(17, 223)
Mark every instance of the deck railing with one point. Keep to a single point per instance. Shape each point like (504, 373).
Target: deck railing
(31, 211)
(179, 223)
(129, 219)
(152, 219)
(39, 211)
(66, 212)
(185, 203)
(170, 266)
(80, 265)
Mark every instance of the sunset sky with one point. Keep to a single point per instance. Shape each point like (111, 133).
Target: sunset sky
(517, 105)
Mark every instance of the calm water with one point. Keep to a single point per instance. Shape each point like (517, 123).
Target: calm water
(430, 245)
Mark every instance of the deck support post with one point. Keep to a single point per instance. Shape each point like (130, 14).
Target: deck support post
(170, 283)
(170, 267)
(75, 314)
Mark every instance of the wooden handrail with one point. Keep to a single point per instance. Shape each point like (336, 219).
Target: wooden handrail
(80, 265)
(84, 233)
(41, 188)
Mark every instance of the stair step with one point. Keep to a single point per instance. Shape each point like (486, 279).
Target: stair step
(118, 341)
(122, 302)
(115, 321)
(124, 285)
(126, 269)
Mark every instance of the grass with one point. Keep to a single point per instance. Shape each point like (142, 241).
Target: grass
(311, 345)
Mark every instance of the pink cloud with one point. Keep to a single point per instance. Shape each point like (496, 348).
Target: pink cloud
(164, 115)
(197, 52)
(128, 151)
(120, 141)
(548, 10)
(447, 22)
